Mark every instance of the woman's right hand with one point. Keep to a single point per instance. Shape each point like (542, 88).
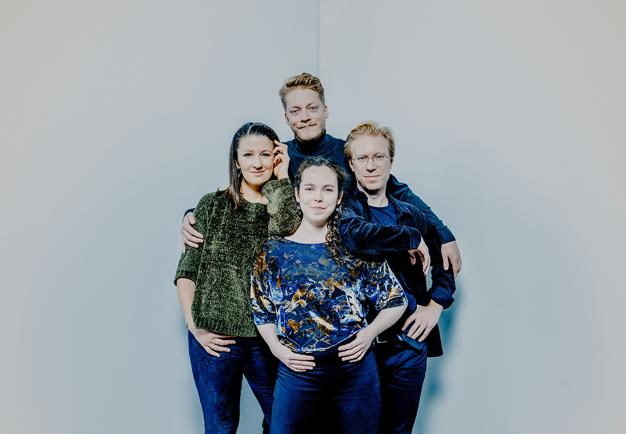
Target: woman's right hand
(213, 343)
(294, 361)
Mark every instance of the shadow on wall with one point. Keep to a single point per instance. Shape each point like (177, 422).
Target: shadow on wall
(433, 385)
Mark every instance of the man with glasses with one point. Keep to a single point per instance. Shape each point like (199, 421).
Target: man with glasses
(306, 112)
(375, 225)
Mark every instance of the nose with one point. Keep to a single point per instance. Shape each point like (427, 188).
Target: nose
(257, 163)
(370, 165)
(318, 196)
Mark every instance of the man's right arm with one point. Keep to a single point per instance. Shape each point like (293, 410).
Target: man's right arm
(191, 237)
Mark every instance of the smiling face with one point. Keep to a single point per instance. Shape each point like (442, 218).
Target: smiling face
(318, 194)
(370, 162)
(305, 113)
(255, 160)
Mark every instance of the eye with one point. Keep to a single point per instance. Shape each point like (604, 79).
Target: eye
(361, 159)
(329, 189)
(380, 158)
(308, 188)
(247, 154)
(266, 154)
(294, 112)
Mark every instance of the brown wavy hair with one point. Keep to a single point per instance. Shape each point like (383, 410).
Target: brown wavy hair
(333, 240)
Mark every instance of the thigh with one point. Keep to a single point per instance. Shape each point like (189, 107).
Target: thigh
(356, 397)
(402, 372)
(260, 369)
(218, 380)
(297, 400)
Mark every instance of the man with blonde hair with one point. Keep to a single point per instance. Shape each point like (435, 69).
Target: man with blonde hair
(377, 226)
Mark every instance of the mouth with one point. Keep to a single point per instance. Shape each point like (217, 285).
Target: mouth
(318, 209)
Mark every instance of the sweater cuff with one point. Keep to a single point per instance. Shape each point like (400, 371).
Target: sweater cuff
(271, 186)
(186, 274)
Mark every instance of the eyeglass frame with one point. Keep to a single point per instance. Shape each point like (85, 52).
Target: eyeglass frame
(378, 159)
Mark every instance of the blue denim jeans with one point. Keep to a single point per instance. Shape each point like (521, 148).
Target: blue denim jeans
(401, 370)
(335, 396)
(218, 380)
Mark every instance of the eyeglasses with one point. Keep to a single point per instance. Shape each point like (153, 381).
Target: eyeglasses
(378, 159)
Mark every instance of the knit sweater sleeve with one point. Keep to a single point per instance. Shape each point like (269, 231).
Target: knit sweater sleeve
(189, 262)
(282, 207)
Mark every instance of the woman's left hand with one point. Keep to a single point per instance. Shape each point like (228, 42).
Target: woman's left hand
(355, 350)
(281, 160)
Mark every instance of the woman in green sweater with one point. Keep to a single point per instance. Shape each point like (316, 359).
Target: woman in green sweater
(213, 281)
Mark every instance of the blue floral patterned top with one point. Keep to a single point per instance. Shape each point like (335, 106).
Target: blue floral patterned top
(315, 301)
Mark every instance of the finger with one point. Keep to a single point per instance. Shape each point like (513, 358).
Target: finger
(348, 346)
(302, 365)
(425, 334)
(210, 351)
(301, 357)
(223, 341)
(188, 236)
(277, 143)
(412, 258)
(351, 352)
(419, 331)
(190, 244)
(220, 348)
(353, 357)
(408, 321)
(412, 333)
(446, 265)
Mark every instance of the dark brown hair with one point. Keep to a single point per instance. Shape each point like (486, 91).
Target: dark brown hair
(233, 191)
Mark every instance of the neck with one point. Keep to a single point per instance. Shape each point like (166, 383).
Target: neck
(311, 144)
(309, 233)
(377, 198)
(252, 194)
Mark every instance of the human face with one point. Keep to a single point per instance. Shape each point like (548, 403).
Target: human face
(318, 194)
(371, 163)
(255, 160)
(305, 113)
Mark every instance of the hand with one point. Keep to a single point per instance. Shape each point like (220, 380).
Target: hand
(423, 320)
(191, 237)
(213, 343)
(451, 255)
(355, 350)
(294, 361)
(281, 160)
(422, 251)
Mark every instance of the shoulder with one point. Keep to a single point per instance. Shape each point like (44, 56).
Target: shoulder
(212, 200)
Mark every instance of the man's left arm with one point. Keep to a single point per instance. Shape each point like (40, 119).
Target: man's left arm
(449, 247)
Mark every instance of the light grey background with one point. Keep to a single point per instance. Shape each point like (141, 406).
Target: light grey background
(116, 116)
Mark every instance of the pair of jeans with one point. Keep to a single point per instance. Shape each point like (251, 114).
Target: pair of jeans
(401, 369)
(335, 396)
(218, 380)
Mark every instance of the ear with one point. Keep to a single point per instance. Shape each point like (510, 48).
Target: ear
(339, 198)
(325, 111)
(297, 195)
(351, 164)
(286, 118)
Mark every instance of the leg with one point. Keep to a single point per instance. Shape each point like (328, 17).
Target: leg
(356, 396)
(297, 400)
(260, 368)
(402, 372)
(218, 380)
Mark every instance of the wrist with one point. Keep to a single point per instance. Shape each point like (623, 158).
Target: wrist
(434, 305)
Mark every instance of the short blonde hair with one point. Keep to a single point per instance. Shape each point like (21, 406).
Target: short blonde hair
(369, 128)
(305, 81)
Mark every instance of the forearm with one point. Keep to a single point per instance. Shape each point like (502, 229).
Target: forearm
(268, 333)
(186, 290)
(385, 319)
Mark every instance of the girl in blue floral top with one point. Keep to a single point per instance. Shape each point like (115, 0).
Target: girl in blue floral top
(311, 301)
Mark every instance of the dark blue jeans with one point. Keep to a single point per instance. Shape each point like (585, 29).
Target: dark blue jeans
(335, 396)
(218, 380)
(401, 370)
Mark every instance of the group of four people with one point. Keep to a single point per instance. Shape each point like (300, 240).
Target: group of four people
(318, 249)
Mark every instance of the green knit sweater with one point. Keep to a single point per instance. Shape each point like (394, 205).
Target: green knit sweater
(222, 265)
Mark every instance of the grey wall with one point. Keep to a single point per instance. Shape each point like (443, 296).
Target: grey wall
(509, 119)
(116, 116)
